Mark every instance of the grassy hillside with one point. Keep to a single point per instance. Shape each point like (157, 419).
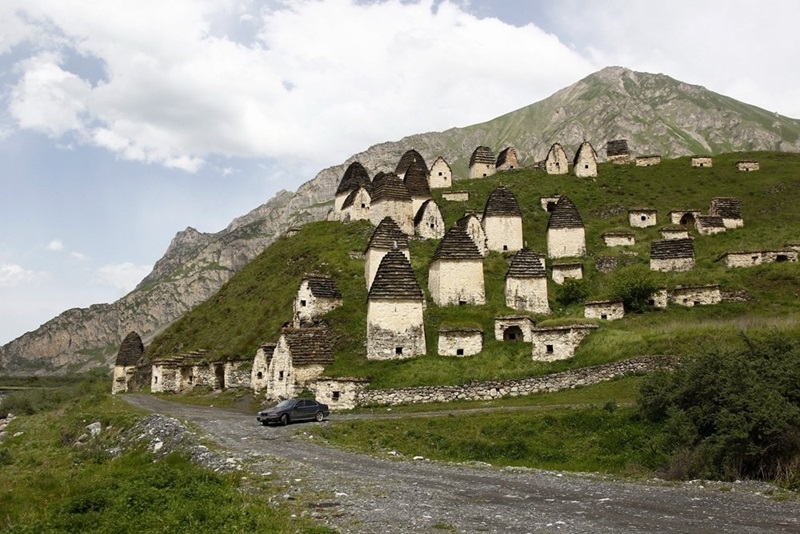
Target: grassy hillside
(251, 308)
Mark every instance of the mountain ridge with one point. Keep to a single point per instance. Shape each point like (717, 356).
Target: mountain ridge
(654, 112)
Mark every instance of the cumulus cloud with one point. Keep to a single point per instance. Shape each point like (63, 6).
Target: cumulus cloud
(56, 245)
(123, 277)
(307, 79)
(12, 275)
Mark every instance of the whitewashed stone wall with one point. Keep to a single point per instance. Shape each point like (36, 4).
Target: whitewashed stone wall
(259, 374)
(401, 211)
(280, 377)
(556, 162)
(647, 161)
(586, 165)
(460, 342)
(672, 264)
(674, 233)
(359, 209)
(794, 245)
(566, 242)
(237, 374)
(482, 170)
(307, 307)
(503, 234)
(758, 257)
(642, 218)
(372, 260)
(701, 161)
(529, 294)
(475, 231)
(659, 299)
(121, 377)
(675, 216)
(703, 229)
(618, 239)
(523, 323)
(695, 295)
(338, 200)
(558, 342)
(455, 282)
(166, 378)
(393, 325)
(456, 196)
(747, 166)
(431, 225)
(441, 174)
(604, 310)
(562, 271)
(549, 203)
(338, 393)
(513, 388)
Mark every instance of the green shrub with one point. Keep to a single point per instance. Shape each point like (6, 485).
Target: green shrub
(634, 285)
(730, 413)
(572, 291)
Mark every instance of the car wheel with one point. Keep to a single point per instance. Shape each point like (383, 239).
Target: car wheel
(284, 419)
(319, 417)
(264, 423)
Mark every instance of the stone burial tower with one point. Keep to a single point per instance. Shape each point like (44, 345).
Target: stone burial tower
(526, 283)
(456, 270)
(502, 221)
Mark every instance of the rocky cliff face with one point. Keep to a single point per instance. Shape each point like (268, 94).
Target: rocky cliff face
(655, 113)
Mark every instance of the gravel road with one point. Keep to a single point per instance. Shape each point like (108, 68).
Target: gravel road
(371, 495)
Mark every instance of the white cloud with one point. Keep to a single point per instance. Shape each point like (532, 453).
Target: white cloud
(123, 276)
(12, 274)
(316, 80)
(56, 245)
(78, 255)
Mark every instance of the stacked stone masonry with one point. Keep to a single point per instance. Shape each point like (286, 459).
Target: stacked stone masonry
(642, 217)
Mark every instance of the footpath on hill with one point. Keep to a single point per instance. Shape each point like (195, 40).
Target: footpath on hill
(363, 494)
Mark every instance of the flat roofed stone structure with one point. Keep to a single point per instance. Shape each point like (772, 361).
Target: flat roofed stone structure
(386, 237)
(606, 310)
(300, 356)
(685, 218)
(395, 324)
(710, 225)
(566, 235)
(391, 198)
(729, 209)
(617, 152)
(642, 217)
(674, 232)
(556, 161)
(481, 163)
(356, 206)
(751, 258)
(672, 255)
(748, 165)
(568, 269)
(416, 180)
(260, 371)
(695, 295)
(441, 174)
(659, 299)
(549, 202)
(428, 222)
(128, 358)
(619, 239)
(455, 275)
(584, 165)
(460, 341)
(526, 283)
(317, 295)
(354, 176)
(502, 221)
(648, 160)
(340, 393)
(701, 161)
(513, 328)
(507, 160)
(472, 225)
(558, 342)
(409, 158)
(456, 196)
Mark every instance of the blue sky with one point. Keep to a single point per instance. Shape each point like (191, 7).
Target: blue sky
(122, 123)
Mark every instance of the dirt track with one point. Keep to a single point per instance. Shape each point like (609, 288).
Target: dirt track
(366, 494)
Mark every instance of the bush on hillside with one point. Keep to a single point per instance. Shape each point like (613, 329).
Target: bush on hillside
(731, 414)
(634, 285)
(572, 291)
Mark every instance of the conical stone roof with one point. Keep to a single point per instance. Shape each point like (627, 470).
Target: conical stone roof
(585, 146)
(130, 350)
(390, 188)
(395, 279)
(527, 264)
(726, 207)
(429, 204)
(416, 180)
(388, 236)
(482, 154)
(507, 154)
(354, 177)
(502, 203)
(322, 286)
(565, 215)
(672, 249)
(411, 156)
(309, 345)
(456, 245)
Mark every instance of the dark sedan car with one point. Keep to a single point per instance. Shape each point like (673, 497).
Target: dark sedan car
(293, 410)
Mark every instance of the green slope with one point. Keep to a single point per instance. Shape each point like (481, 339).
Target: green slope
(253, 305)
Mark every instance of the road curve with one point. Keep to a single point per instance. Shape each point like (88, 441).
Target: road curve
(371, 495)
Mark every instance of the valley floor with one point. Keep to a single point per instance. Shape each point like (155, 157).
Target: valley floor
(359, 493)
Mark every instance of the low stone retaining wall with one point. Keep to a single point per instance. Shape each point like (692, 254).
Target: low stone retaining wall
(513, 388)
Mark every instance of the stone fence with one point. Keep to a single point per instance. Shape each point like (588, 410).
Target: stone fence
(514, 388)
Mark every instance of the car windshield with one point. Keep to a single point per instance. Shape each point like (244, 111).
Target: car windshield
(285, 404)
